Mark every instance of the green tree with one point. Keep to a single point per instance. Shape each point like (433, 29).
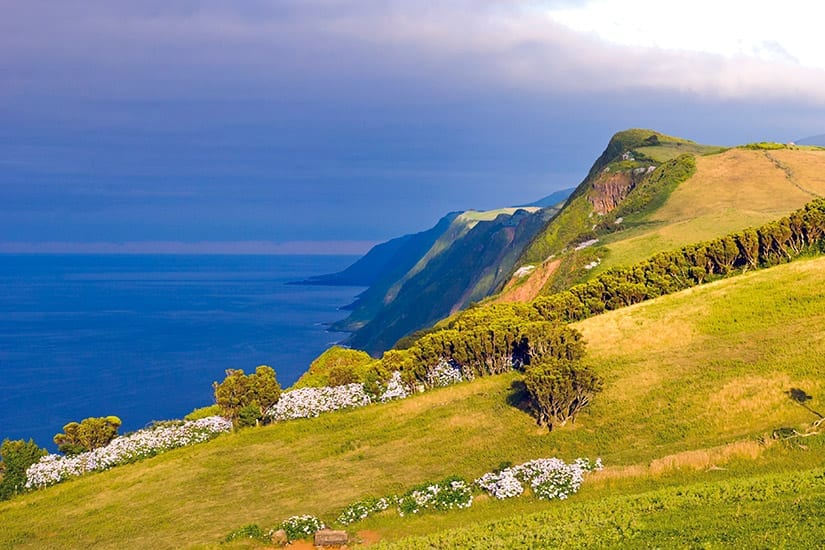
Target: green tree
(16, 457)
(559, 389)
(335, 367)
(90, 433)
(245, 398)
(264, 388)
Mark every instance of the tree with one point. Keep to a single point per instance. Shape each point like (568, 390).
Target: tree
(244, 399)
(559, 389)
(17, 456)
(90, 433)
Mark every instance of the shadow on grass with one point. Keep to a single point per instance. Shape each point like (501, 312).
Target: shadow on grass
(519, 398)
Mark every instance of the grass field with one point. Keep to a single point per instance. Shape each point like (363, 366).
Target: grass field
(694, 382)
(730, 191)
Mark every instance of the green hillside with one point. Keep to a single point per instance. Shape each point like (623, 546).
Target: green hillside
(649, 193)
(695, 383)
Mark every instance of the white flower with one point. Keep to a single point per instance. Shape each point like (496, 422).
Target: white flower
(395, 389)
(53, 468)
(548, 477)
(443, 374)
(310, 402)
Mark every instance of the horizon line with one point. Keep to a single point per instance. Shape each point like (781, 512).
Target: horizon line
(239, 248)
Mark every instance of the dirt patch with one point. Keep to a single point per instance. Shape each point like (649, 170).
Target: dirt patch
(524, 291)
(368, 537)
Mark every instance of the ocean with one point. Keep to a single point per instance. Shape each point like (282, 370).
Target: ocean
(143, 337)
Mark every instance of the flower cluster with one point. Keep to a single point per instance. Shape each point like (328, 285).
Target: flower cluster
(361, 509)
(395, 389)
(549, 478)
(52, 468)
(299, 527)
(450, 493)
(443, 374)
(310, 402)
(502, 484)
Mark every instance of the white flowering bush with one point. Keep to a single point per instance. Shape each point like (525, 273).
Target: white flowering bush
(310, 402)
(549, 478)
(362, 509)
(53, 468)
(443, 374)
(501, 485)
(395, 389)
(450, 493)
(299, 527)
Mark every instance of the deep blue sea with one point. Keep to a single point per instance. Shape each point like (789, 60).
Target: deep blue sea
(143, 337)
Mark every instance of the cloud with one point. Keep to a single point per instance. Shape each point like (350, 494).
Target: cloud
(190, 50)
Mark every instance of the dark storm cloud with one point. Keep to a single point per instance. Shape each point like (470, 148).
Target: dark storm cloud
(321, 120)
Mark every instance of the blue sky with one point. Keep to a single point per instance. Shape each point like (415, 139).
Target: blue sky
(324, 126)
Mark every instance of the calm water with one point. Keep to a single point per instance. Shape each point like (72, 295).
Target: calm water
(144, 337)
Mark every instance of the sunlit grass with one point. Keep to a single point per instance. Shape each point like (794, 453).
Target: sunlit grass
(693, 380)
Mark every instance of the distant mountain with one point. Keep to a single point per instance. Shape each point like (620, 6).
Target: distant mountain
(648, 192)
(389, 259)
(553, 199)
(472, 260)
(813, 140)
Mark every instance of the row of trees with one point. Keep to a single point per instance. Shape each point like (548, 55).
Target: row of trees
(771, 244)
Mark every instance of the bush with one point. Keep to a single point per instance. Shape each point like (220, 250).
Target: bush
(362, 508)
(310, 402)
(253, 394)
(335, 367)
(52, 469)
(452, 492)
(300, 527)
(90, 433)
(559, 389)
(17, 456)
(549, 478)
(203, 412)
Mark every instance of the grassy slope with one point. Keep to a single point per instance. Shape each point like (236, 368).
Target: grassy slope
(695, 377)
(730, 191)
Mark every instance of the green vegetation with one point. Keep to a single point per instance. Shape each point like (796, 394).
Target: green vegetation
(694, 384)
(766, 511)
(90, 433)
(765, 146)
(668, 151)
(244, 399)
(16, 456)
(560, 389)
(337, 366)
(203, 412)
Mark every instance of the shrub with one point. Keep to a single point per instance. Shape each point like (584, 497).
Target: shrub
(559, 389)
(52, 469)
(452, 492)
(251, 531)
(90, 433)
(253, 394)
(299, 527)
(443, 374)
(17, 456)
(361, 509)
(310, 402)
(549, 478)
(203, 412)
(335, 367)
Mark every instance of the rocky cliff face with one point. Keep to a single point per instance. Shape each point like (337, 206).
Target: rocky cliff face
(611, 188)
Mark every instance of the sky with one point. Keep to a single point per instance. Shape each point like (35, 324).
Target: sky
(321, 126)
